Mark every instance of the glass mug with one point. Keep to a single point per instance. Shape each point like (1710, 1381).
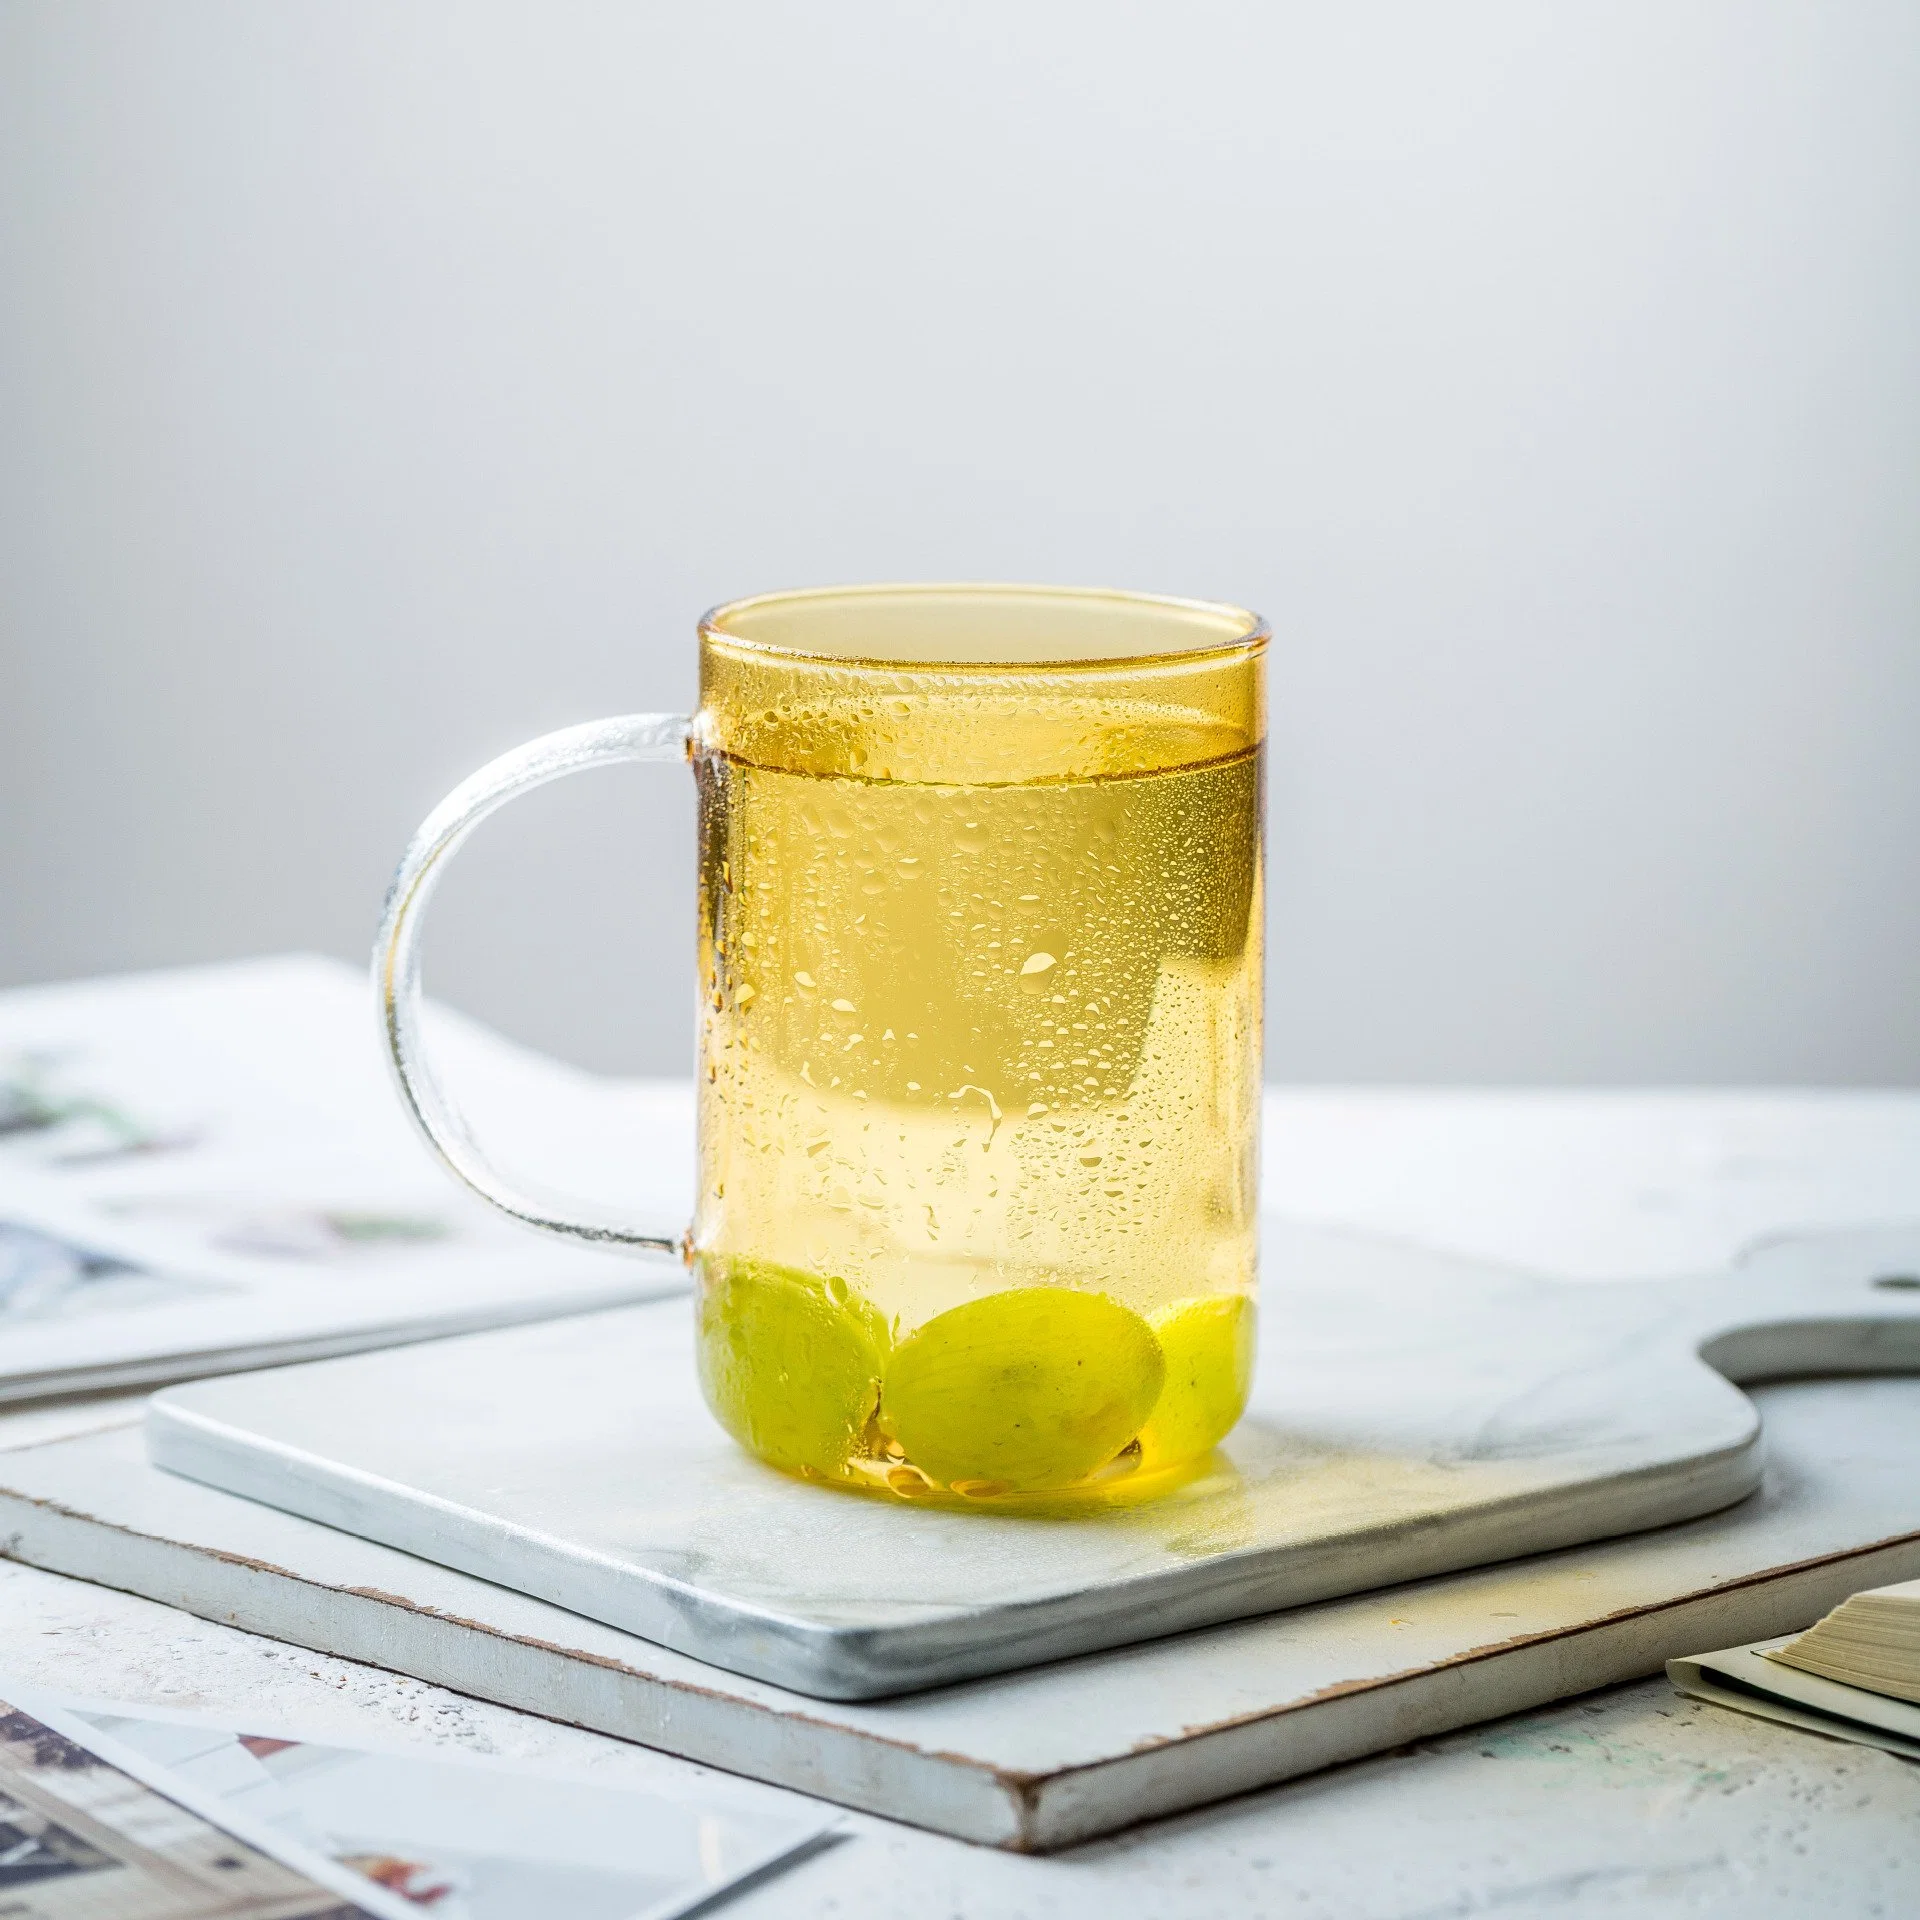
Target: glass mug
(979, 1045)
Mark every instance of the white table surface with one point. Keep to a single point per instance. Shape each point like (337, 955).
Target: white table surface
(1629, 1801)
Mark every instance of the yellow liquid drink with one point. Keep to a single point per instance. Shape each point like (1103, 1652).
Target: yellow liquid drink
(981, 965)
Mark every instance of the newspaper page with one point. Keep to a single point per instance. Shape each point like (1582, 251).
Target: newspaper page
(129, 1812)
(208, 1169)
(82, 1840)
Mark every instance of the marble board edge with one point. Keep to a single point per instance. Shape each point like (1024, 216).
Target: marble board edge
(885, 1661)
(950, 1792)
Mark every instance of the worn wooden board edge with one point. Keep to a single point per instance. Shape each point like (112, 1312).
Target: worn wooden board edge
(1508, 1677)
(388, 1631)
(946, 1791)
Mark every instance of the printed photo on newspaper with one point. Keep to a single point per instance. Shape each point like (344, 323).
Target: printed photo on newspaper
(110, 1811)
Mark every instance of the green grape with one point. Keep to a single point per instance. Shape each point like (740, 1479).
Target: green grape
(1209, 1347)
(1035, 1387)
(790, 1364)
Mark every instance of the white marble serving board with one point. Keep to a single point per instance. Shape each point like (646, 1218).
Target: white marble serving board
(1042, 1759)
(1414, 1414)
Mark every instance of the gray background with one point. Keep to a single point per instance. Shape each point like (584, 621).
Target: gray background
(382, 384)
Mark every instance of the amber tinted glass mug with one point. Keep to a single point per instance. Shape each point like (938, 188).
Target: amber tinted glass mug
(979, 1030)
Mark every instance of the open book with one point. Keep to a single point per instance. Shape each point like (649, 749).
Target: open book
(1871, 1641)
(1854, 1675)
(207, 1169)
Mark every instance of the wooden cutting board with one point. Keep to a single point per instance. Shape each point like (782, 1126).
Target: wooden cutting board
(1041, 1759)
(1414, 1413)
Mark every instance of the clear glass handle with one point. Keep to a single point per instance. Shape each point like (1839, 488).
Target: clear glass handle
(396, 964)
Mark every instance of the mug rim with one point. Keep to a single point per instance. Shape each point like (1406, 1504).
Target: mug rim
(1253, 635)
